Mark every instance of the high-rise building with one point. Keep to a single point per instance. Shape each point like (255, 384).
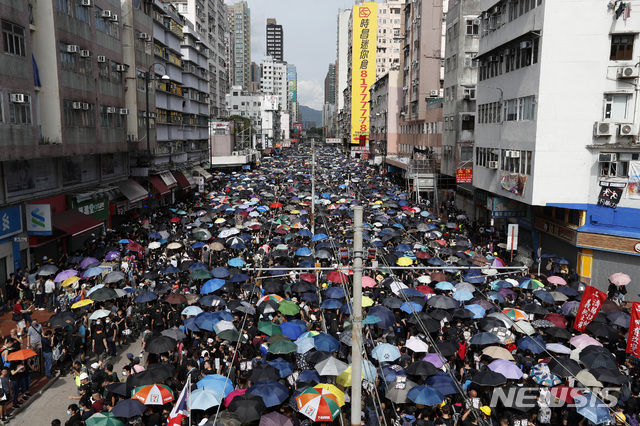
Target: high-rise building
(256, 77)
(390, 38)
(330, 85)
(274, 80)
(275, 40)
(240, 30)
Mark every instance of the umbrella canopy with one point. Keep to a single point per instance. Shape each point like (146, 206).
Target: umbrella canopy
(330, 367)
(592, 408)
(155, 394)
(318, 404)
(203, 399)
(127, 408)
(160, 344)
(271, 392)
(507, 368)
(104, 419)
(542, 375)
(248, 407)
(425, 395)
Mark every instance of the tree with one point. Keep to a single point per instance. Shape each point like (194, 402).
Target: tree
(242, 132)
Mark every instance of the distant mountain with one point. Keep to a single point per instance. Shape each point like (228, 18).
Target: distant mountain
(309, 114)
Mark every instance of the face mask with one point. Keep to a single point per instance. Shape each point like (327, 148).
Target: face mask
(68, 412)
(107, 321)
(98, 322)
(124, 373)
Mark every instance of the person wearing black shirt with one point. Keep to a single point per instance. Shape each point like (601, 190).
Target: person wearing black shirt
(99, 343)
(47, 352)
(74, 411)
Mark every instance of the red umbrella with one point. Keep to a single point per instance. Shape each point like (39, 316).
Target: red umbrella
(610, 306)
(565, 393)
(134, 247)
(439, 276)
(425, 289)
(337, 277)
(275, 205)
(175, 219)
(423, 255)
(232, 395)
(310, 278)
(559, 320)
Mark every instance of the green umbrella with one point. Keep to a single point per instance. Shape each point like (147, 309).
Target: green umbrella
(282, 347)
(269, 328)
(230, 335)
(104, 419)
(200, 274)
(287, 307)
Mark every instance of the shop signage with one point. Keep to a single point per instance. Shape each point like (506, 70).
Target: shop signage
(559, 231)
(505, 207)
(480, 197)
(464, 175)
(610, 193)
(513, 182)
(39, 219)
(10, 222)
(636, 248)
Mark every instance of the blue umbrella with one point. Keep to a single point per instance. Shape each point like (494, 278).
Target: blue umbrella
(305, 233)
(309, 376)
(589, 406)
(445, 285)
(220, 272)
(385, 353)
(391, 371)
(236, 262)
(494, 295)
(331, 304)
(155, 236)
(217, 383)
(238, 246)
(319, 237)
(271, 392)
(498, 284)
(443, 383)
(238, 278)
(303, 251)
(198, 266)
(203, 399)
(325, 342)
(124, 241)
(534, 344)
(544, 295)
(285, 368)
(410, 292)
(92, 272)
(403, 247)
(197, 245)
(425, 395)
(291, 330)
(305, 345)
(190, 324)
(387, 318)
(462, 295)
(309, 297)
(410, 307)
(478, 311)
(146, 296)
(336, 293)
(212, 300)
(191, 310)
(484, 339)
(371, 319)
(214, 284)
(207, 320)
(170, 270)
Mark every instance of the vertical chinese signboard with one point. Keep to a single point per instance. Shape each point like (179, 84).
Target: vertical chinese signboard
(363, 67)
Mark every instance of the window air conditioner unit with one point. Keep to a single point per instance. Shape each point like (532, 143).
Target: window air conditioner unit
(114, 18)
(102, 59)
(433, 93)
(476, 22)
(493, 58)
(603, 128)
(106, 14)
(85, 3)
(121, 68)
(85, 53)
(77, 105)
(143, 36)
(607, 157)
(131, 138)
(72, 48)
(507, 52)
(628, 129)
(466, 117)
(85, 106)
(512, 154)
(17, 98)
(628, 72)
(124, 111)
(112, 110)
(525, 45)
(493, 165)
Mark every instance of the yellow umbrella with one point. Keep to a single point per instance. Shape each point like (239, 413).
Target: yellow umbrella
(334, 391)
(294, 211)
(70, 281)
(81, 303)
(220, 220)
(366, 302)
(404, 261)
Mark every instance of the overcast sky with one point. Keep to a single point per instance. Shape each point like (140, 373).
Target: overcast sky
(310, 29)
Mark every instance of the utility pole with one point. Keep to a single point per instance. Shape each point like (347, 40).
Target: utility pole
(313, 186)
(356, 323)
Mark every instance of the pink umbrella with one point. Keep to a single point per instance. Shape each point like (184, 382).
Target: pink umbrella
(620, 279)
(554, 279)
(435, 359)
(368, 282)
(583, 340)
(498, 263)
(232, 395)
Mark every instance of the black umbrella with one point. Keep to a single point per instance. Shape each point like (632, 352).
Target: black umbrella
(150, 275)
(272, 286)
(621, 319)
(558, 333)
(443, 302)
(160, 344)
(120, 388)
(148, 377)
(487, 323)
(264, 372)
(61, 319)
(317, 356)
(446, 348)
(597, 356)
(534, 308)
(103, 293)
(127, 408)
(609, 375)
(463, 313)
(392, 302)
(422, 368)
(248, 407)
(416, 317)
(603, 330)
(489, 378)
(174, 333)
(440, 314)
(268, 307)
(564, 366)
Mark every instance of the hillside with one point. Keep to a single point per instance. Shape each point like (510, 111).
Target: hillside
(310, 114)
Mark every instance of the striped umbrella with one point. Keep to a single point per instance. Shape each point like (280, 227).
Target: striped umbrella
(156, 394)
(319, 405)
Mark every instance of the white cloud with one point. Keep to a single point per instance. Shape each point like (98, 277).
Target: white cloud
(311, 94)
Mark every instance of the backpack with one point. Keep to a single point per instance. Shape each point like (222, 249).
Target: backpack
(633, 420)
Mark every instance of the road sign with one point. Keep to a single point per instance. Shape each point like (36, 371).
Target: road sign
(512, 237)
(318, 266)
(20, 239)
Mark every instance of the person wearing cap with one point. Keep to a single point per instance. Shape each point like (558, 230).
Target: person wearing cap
(79, 370)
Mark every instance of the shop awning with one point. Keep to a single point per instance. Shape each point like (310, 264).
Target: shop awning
(132, 190)
(159, 185)
(73, 223)
(207, 176)
(183, 182)
(168, 179)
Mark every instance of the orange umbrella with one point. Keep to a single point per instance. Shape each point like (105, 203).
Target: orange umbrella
(21, 355)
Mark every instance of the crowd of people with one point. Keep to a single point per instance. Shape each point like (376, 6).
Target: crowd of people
(242, 295)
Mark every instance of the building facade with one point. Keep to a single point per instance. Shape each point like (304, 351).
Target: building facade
(275, 40)
(389, 46)
(240, 33)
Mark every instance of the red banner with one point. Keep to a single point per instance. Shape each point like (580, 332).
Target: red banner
(590, 305)
(633, 341)
(464, 175)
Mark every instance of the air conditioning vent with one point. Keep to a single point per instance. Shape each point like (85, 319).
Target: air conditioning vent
(508, 52)
(114, 18)
(106, 14)
(512, 154)
(607, 157)
(466, 117)
(493, 58)
(493, 165)
(121, 68)
(434, 93)
(85, 53)
(124, 111)
(628, 72)
(102, 59)
(112, 110)
(77, 105)
(627, 129)
(85, 3)
(476, 22)
(143, 36)
(17, 98)
(72, 48)
(85, 106)
(131, 138)
(603, 128)
(525, 45)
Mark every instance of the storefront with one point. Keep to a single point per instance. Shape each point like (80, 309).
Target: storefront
(13, 241)
(202, 172)
(96, 208)
(183, 182)
(558, 239)
(159, 190)
(171, 183)
(506, 211)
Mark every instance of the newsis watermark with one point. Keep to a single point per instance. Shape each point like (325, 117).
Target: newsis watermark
(527, 397)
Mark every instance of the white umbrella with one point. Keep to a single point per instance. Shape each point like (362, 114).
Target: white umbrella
(558, 348)
(331, 366)
(524, 327)
(174, 246)
(154, 245)
(417, 345)
(100, 313)
(223, 325)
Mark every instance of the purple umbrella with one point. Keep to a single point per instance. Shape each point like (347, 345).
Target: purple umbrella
(435, 359)
(484, 303)
(275, 419)
(64, 275)
(112, 255)
(567, 307)
(507, 368)
(88, 261)
(507, 292)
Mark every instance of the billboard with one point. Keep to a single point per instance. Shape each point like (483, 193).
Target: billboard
(292, 81)
(464, 175)
(363, 67)
(39, 219)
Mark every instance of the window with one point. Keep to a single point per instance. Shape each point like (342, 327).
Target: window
(621, 47)
(67, 60)
(64, 6)
(615, 106)
(560, 214)
(20, 113)
(468, 122)
(470, 60)
(106, 119)
(1, 110)
(575, 217)
(82, 12)
(85, 66)
(469, 93)
(614, 169)
(13, 38)
(527, 107)
(466, 153)
(78, 117)
(103, 70)
(116, 76)
(511, 110)
(473, 26)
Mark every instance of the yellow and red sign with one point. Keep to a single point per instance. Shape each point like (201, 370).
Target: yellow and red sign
(464, 175)
(363, 67)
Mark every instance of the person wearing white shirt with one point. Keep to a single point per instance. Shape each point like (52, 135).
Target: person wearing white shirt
(49, 293)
